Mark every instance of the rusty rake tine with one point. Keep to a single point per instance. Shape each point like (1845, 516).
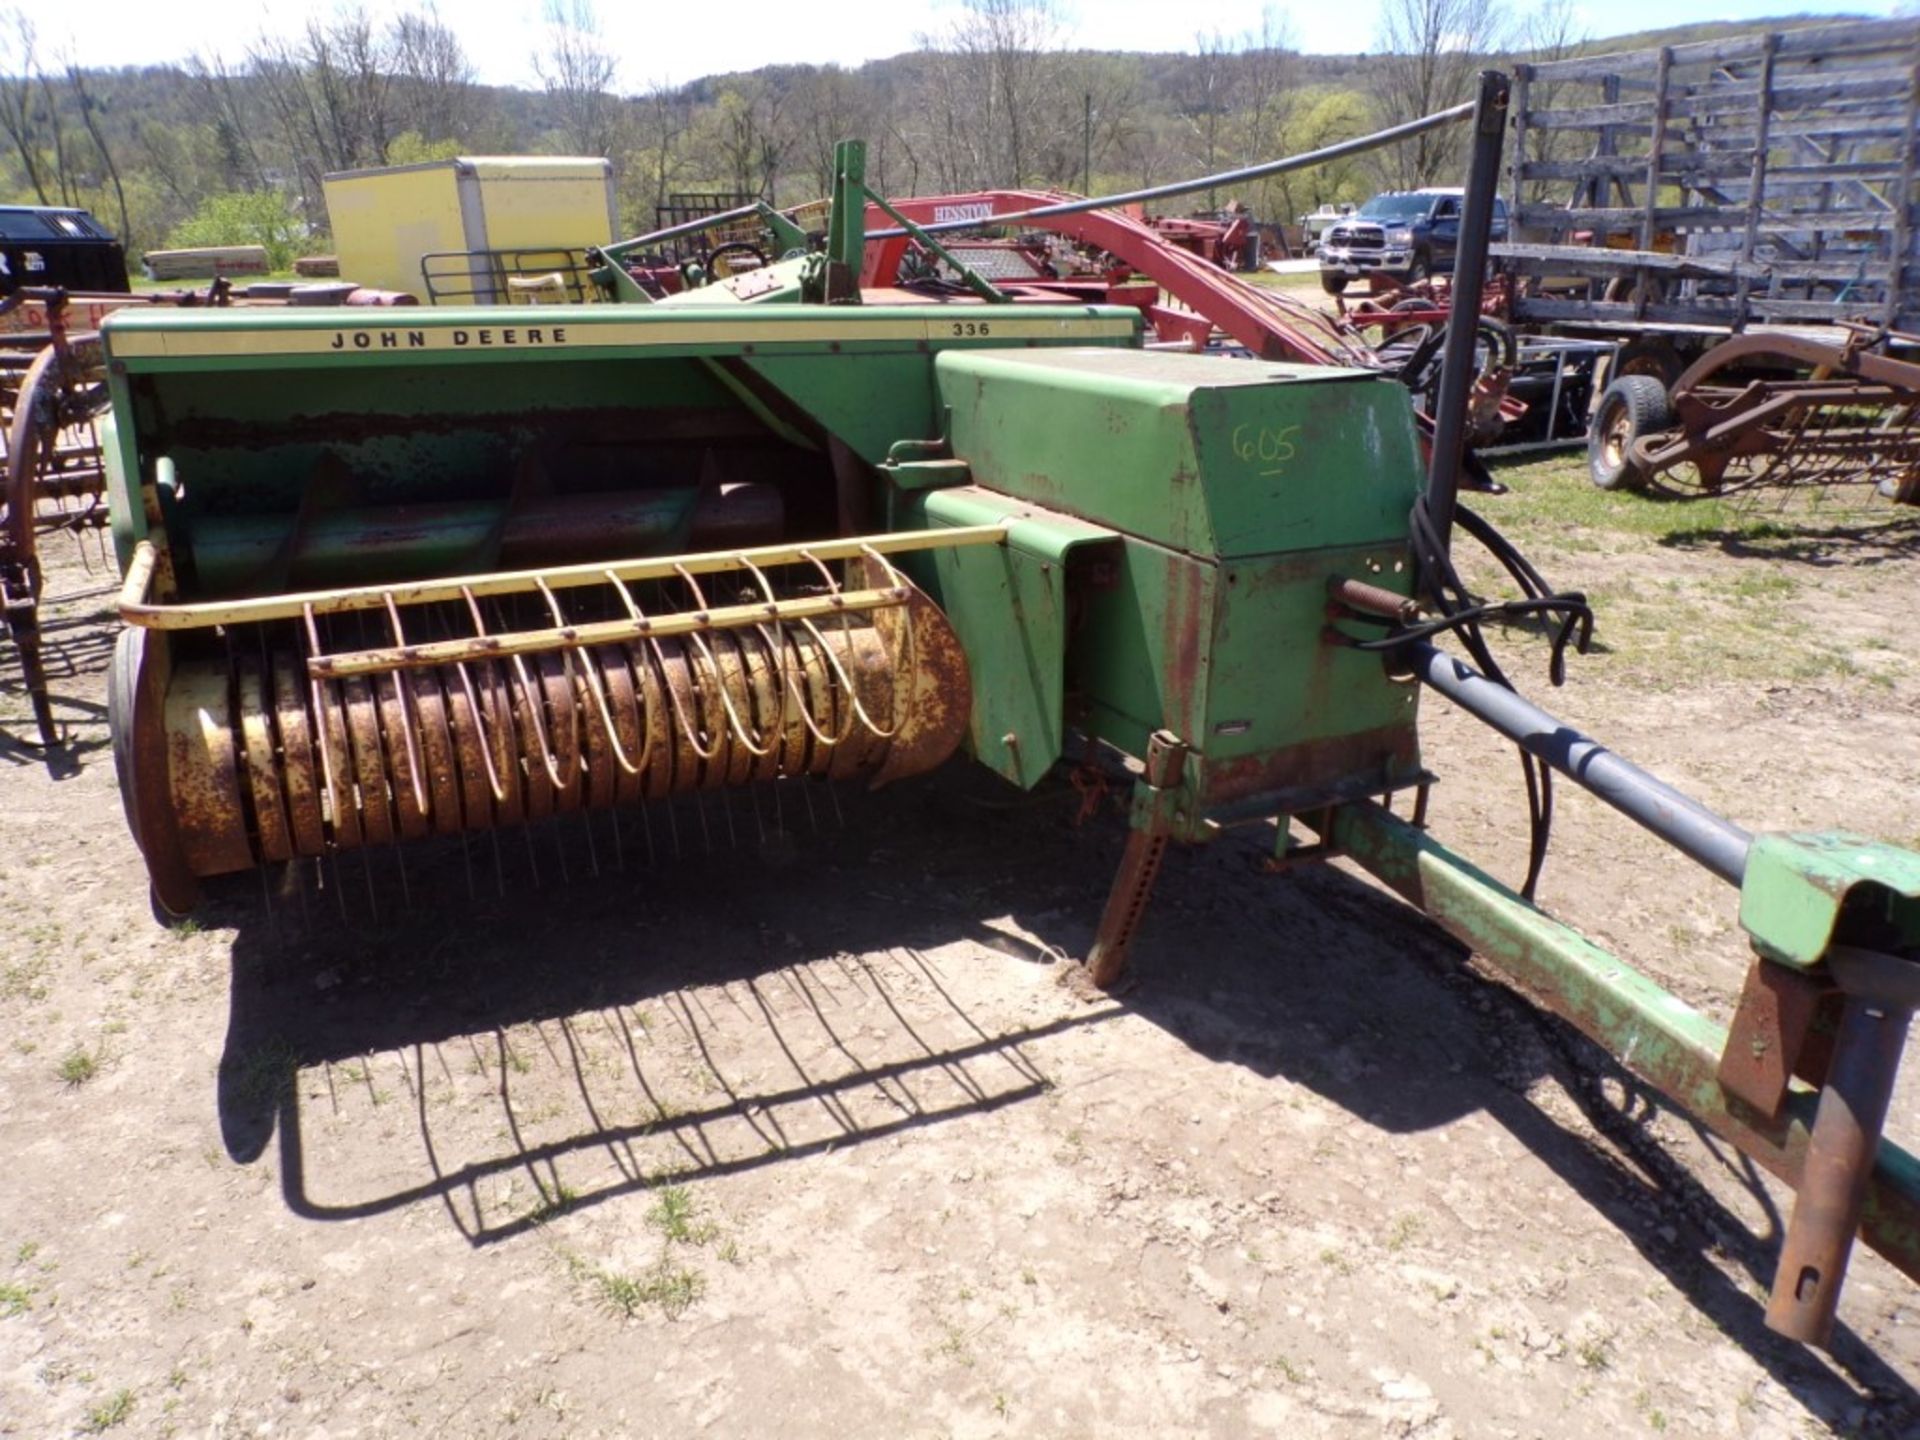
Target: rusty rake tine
(480, 720)
(536, 712)
(778, 644)
(907, 663)
(859, 711)
(320, 725)
(535, 705)
(713, 665)
(687, 727)
(402, 695)
(593, 850)
(593, 683)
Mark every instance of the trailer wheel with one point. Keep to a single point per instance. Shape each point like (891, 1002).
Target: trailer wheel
(1655, 357)
(1632, 407)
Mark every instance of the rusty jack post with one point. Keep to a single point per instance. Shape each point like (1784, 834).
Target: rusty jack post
(1881, 994)
(1153, 818)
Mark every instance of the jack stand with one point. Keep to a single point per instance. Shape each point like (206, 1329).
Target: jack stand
(1153, 819)
(1882, 991)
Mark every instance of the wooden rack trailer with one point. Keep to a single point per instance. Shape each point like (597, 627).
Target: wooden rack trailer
(1762, 185)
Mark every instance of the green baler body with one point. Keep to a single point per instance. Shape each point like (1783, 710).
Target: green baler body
(1174, 518)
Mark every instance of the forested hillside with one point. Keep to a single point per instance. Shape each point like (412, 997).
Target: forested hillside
(232, 150)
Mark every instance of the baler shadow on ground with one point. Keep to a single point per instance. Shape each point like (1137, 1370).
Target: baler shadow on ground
(587, 1040)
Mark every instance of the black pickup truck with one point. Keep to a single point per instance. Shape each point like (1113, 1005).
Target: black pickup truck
(47, 245)
(1405, 236)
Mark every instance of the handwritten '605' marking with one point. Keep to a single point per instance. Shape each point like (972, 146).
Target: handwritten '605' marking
(1270, 449)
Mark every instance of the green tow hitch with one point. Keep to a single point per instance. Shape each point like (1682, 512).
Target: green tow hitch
(1824, 1143)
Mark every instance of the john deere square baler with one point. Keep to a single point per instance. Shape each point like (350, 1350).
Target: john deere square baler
(463, 572)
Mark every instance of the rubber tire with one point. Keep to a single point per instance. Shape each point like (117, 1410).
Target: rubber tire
(1640, 401)
(1333, 284)
(1418, 271)
(1654, 357)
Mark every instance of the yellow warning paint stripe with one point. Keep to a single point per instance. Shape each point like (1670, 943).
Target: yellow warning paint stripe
(362, 337)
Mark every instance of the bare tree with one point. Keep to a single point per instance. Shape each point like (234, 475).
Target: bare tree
(662, 116)
(89, 109)
(579, 72)
(433, 79)
(19, 111)
(1264, 108)
(996, 93)
(1550, 32)
(1205, 101)
(829, 105)
(216, 100)
(1429, 52)
(750, 134)
(328, 89)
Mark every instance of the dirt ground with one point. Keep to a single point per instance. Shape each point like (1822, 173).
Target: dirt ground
(804, 1136)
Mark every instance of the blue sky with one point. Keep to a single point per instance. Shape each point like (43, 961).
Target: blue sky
(679, 42)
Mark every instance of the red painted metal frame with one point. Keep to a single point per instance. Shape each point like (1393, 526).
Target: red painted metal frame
(1272, 326)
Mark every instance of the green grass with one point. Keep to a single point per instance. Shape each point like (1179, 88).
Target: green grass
(116, 1409)
(672, 1288)
(1556, 493)
(78, 1066)
(15, 1299)
(674, 1216)
(1739, 618)
(264, 1073)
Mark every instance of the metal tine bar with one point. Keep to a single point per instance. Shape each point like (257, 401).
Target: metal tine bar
(466, 864)
(536, 707)
(499, 863)
(479, 718)
(597, 686)
(726, 701)
(138, 611)
(793, 681)
(646, 730)
(907, 663)
(403, 694)
(853, 694)
(687, 727)
(646, 829)
(533, 860)
(339, 885)
(320, 725)
(366, 871)
(777, 645)
(406, 890)
(573, 679)
(593, 850)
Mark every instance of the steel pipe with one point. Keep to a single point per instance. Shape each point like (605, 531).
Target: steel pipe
(1178, 188)
(1711, 840)
(1457, 369)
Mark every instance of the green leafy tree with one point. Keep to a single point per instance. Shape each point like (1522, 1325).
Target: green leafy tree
(245, 217)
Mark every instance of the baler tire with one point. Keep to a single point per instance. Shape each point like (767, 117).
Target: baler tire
(1333, 284)
(1632, 407)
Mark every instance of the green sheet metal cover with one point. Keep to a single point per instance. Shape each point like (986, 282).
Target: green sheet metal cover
(1799, 888)
(1207, 455)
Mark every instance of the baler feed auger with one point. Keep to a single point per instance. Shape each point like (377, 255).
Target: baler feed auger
(465, 570)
